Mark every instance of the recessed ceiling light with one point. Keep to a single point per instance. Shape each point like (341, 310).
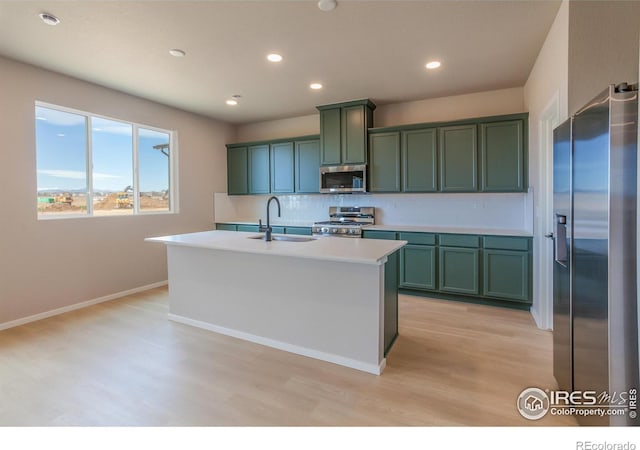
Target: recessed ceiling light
(233, 101)
(315, 86)
(49, 19)
(60, 135)
(274, 57)
(327, 5)
(41, 118)
(177, 52)
(433, 64)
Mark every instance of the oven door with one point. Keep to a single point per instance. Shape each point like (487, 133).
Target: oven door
(343, 179)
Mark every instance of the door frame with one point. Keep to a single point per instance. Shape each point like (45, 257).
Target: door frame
(542, 309)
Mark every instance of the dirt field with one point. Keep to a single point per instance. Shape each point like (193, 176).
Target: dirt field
(102, 206)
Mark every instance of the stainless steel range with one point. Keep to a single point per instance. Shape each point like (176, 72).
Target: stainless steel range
(345, 221)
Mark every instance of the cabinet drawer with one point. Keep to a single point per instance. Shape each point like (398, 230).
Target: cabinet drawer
(418, 238)
(373, 234)
(506, 243)
(249, 228)
(459, 240)
(227, 227)
(298, 230)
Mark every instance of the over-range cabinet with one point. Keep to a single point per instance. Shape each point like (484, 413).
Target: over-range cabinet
(595, 182)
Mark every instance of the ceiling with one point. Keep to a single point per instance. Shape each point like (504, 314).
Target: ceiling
(362, 49)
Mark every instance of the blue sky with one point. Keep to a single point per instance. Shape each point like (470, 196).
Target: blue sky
(61, 153)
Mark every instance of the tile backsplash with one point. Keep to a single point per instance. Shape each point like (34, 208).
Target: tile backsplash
(512, 211)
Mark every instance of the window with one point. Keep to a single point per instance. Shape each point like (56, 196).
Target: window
(95, 166)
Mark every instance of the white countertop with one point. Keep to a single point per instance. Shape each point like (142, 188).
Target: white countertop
(360, 251)
(454, 230)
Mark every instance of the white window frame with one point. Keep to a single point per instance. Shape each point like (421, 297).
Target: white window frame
(173, 163)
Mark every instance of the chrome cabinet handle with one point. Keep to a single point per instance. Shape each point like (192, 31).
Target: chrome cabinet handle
(549, 235)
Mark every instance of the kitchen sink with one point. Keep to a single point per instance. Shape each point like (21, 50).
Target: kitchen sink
(280, 237)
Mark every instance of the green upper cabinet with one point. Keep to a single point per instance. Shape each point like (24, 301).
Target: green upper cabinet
(384, 162)
(354, 134)
(307, 166)
(502, 154)
(237, 179)
(330, 141)
(279, 166)
(258, 158)
(343, 132)
(419, 161)
(282, 168)
(458, 158)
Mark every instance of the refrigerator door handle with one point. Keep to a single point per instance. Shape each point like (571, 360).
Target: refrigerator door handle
(560, 240)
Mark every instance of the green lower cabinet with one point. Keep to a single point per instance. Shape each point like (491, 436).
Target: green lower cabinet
(374, 234)
(459, 270)
(249, 228)
(418, 267)
(506, 275)
(277, 230)
(227, 226)
(305, 231)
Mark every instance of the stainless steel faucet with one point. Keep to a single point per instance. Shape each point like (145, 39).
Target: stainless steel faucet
(267, 230)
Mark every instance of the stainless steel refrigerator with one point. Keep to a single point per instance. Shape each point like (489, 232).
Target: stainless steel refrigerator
(595, 317)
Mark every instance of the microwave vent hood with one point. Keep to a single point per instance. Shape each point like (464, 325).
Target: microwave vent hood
(343, 179)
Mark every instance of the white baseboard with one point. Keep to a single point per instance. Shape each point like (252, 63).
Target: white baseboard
(64, 309)
(538, 320)
(304, 351)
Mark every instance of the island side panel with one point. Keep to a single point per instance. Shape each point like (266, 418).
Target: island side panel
(390, 313)
(324, 309)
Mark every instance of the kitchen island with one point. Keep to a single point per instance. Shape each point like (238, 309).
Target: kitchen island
(334, 299)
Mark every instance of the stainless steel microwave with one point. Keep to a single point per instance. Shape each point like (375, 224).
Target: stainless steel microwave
(343, 179)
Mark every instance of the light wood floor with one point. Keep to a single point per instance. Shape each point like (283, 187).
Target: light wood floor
(123, 363)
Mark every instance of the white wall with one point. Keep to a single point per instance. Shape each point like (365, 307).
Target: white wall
(274, 129)
(479, 104)
(603, 43)
(546, 95)
(50, 264)
(505, 211)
